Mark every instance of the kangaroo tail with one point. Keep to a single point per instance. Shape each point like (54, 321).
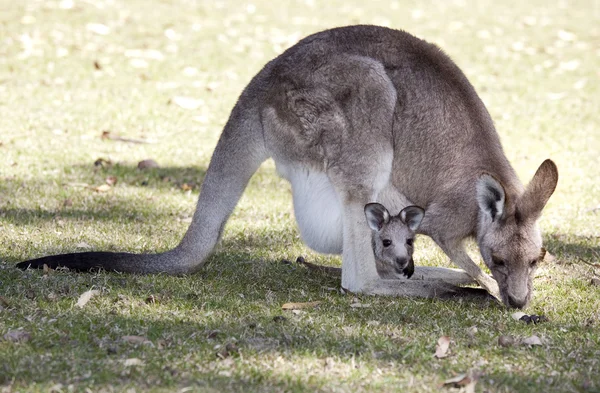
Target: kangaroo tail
(239, 153)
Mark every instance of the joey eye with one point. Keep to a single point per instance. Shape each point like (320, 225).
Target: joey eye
(497, 261)
(387, 243)
(409, 242)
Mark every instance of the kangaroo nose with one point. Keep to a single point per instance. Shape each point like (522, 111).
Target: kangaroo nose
(516, 303)
(401, 262)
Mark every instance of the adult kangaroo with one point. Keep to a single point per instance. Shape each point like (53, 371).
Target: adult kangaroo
(359, 114)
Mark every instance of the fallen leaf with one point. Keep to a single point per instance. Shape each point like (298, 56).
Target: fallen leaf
(299, 306)
(115, 137)
(458, 380)
(139, 63)
(147, 164)
(228, 350)
(133, 362)
(4, 303)
(566, 36)
(152, 299)
(102, 188)
(97, 65)
(518, 315)
(468, 380)
(104, 163)
(97, 28)
(136, 340)
(187, 102)
(532, 341)
(187, 187)
(571, 65)
(442, 346)
(360, 305)
(86, 296)
(17, 336)
(472, 331)
(111, 180)
(47, 269)
(67, 203)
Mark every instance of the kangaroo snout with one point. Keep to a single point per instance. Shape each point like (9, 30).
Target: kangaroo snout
(405, 266)
(516, 302)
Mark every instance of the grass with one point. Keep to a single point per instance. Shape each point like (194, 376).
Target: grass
(69, 71)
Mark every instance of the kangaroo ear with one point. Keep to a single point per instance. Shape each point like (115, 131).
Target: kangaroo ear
(490, 196)
(377, 215)
(538, 191)
(412, 216)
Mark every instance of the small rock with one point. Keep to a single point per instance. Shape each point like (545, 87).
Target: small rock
(506, 341)
(147, 164)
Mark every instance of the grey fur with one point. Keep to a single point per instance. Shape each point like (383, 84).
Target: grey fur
(371, 112)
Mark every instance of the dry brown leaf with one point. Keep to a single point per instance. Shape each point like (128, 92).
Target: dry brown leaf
(115, 137)
(299, 306)
(103, 163)
(47, 270)
(468, 380)
(102, 188)
(17, 336)
(441, 349)
(187, 187)
(133, 362)
(4, 303)
(136, 340)
(147, 164)
(86, 296)
(360, 305)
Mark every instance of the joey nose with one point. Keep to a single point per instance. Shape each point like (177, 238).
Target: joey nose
(401, 263)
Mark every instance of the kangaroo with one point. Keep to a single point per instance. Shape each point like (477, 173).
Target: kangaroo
(358, 114)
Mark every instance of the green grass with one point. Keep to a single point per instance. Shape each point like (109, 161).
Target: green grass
(533, 63)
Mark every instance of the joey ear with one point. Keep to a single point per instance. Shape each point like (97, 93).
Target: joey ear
(490, 196)
(539, 190)
(412, 216)
(377, 215)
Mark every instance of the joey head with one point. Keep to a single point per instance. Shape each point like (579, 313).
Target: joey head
(392, 238)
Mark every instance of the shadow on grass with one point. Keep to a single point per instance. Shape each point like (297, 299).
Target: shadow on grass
(575, 249)
(208, 313)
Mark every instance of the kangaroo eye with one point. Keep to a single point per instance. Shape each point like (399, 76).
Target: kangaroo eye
(387, 243)
(533, 263)
(497, 261)
(409, 242)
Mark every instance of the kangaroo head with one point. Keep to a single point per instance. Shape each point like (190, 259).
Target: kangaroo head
(508, 236)
(392, 238)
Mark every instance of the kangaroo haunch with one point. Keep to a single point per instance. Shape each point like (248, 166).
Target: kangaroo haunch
(359, 114)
